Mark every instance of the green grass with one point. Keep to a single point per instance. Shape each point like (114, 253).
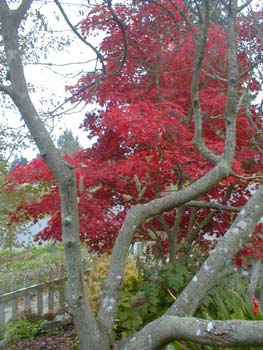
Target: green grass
(35, 262)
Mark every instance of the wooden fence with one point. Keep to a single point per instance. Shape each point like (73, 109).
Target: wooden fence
(42, 298)
(38, 299)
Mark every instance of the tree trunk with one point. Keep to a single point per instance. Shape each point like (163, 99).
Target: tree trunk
(254, 278)
(90, 335)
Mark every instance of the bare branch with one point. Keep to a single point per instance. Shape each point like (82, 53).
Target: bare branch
(242, 7)
(199, 56)
(232, 90)
(221, 257)
(22, 9)
(206, 332)
(124, 38)
(211, 205)
(72, 27)
(246, 178)
(253, 124)
(59, 64)
(250, 68)
(214, 76)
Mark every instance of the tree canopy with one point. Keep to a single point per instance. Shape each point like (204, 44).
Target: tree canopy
(143, 127)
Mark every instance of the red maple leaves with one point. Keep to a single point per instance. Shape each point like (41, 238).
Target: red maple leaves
(142, 128)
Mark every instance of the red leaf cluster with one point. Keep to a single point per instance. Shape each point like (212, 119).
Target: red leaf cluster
(142, 129)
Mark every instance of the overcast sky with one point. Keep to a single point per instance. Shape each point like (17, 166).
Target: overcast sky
(50, 81)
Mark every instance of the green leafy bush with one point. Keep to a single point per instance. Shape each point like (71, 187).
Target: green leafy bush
(148, 296)
(225, 302)
(23, 329)
(228, 301)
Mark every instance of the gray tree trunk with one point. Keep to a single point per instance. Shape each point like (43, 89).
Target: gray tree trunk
(86, 325)
(254, 279)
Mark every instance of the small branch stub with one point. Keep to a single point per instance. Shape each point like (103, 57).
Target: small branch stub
(69, 244)
(67, 220)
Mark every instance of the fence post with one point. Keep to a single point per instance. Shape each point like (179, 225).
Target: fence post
(50, 293)
(27, 301)
(39, 296)
(61, 294)
(14, 302)
(2, 311)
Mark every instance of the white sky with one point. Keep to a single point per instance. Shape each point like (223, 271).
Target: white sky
(50, 82)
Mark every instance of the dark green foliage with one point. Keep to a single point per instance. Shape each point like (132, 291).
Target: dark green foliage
(144, 299)
(228, 301)
(23, 329)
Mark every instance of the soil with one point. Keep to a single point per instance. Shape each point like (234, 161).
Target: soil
(61, 340)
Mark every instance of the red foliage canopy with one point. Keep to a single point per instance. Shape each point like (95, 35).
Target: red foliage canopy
(142, 128)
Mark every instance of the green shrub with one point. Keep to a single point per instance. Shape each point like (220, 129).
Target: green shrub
(22, 329)
(225, 302)
(228, 301)
(146, 297)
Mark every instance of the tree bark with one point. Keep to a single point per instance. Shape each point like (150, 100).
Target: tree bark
(253, 283)
(206, 332)
(90, 335)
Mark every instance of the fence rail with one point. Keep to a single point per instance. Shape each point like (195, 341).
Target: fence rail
(38, 298)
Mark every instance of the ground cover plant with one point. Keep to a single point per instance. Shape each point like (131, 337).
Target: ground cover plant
(25, 335)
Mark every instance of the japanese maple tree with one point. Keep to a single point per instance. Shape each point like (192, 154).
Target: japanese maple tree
(143, 127)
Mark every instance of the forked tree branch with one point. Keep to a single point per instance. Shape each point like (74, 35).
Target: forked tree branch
(199, 57)
(215, 206)
(74, 30)
(139, 213)
(135, 217)
(22, 10)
